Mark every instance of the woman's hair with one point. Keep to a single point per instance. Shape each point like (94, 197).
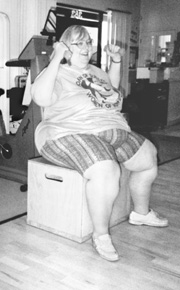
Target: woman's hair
(74, 33)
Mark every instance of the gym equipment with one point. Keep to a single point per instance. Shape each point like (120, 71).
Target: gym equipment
(17, 149)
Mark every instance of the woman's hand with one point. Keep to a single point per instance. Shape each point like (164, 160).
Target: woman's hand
(61, 50)
(115, 52)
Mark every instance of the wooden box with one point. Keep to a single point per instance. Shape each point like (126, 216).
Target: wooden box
(57, 200)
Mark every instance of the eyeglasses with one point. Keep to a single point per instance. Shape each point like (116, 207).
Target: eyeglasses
(80, 44)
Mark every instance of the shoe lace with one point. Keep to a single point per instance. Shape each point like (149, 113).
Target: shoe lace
(154, 213)
(105, 243)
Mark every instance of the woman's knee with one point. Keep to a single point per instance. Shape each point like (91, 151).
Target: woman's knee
(107, 170)
(144, 159)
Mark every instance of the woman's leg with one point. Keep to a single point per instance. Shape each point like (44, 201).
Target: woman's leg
(102, 189)
(143, 167)
(95, 159)
(139, 156)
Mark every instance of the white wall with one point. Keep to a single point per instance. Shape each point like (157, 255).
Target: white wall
(4, 70)
(158, 17)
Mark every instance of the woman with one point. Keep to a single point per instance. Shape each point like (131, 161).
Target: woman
(83, 129)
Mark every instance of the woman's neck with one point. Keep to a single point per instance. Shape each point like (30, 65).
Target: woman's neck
(81, 67)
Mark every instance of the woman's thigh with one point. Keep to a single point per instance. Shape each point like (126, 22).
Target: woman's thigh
(126, 144)
(133, 150)
(78, 152)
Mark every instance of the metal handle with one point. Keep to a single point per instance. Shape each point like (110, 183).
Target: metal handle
(54, 177)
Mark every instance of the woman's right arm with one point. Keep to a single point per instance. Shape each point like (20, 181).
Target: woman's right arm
(43, 86)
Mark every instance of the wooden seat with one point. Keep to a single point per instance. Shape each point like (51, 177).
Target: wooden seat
(57, 200)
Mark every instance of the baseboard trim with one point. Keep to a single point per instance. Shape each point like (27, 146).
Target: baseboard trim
(13, 218)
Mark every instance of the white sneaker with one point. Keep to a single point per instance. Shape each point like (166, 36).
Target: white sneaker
(103, 245)
(151, 219)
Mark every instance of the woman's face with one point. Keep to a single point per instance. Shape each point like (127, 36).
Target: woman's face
(81, 51)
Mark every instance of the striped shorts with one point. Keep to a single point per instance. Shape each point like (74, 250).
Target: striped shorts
(81, 151)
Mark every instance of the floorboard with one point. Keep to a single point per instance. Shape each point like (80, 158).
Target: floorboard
(32, 259)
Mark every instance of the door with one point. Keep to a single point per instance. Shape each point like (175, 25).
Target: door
(67, 15)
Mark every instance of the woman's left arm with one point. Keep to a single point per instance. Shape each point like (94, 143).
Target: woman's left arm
(116, 53)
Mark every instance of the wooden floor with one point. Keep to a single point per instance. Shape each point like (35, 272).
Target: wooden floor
(32, 259)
